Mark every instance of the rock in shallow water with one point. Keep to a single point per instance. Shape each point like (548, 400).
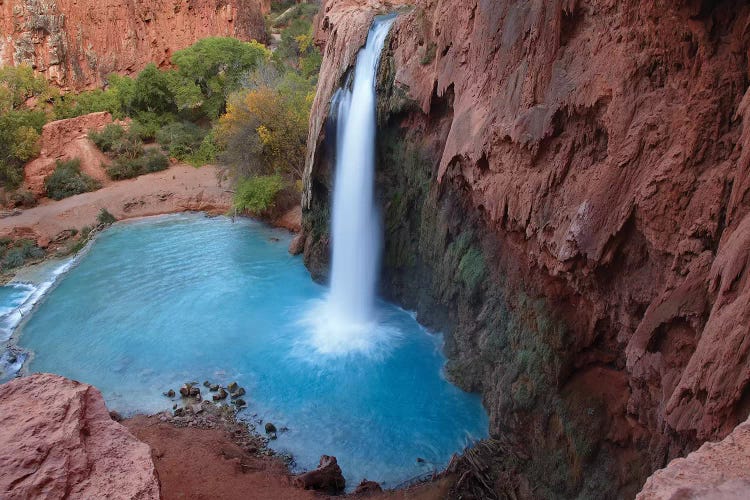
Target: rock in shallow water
(57, 440)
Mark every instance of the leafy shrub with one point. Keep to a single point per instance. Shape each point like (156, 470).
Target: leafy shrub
(105, 218)
(13, 258)
(257, 194)
(182, 139)
(16, 253)
(146, 124)
(128, 146)
(154, 161)
(207, 152)
(68, 180)
(127, 168)
(22, 198)
(107, 137)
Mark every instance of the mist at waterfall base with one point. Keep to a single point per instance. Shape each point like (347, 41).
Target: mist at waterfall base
(162, 301)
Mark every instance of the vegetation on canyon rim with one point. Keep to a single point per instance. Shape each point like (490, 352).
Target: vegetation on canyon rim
(236, 103)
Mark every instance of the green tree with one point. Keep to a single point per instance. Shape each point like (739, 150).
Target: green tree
(17, 84)
(209, 70)
(152, 91)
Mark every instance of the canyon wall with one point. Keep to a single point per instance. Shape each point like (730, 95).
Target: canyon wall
(76, 43)
(566, 194)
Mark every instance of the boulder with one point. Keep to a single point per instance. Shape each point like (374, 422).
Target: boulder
(327, 477)
(366, 488)
(233, 387)
(170, 393)
(270, 428)
(238, 393)
(57, 440)
(214, 388)
(185, 390)
(222, 394)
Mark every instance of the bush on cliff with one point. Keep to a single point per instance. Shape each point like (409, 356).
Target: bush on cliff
(68, 180)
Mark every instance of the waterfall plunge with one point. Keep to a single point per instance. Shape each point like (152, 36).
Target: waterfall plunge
(346, 322)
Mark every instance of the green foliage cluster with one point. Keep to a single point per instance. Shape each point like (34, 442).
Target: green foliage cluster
(105, 218)
(209, 70)
(257, 194)
(16, 253)
(21, 120)
(261, 139)
(126, 148)
(108, 137)
(181, 139)
(68, 180)
(124, 167)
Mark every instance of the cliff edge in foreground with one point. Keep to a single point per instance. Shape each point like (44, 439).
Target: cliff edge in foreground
(57, 440)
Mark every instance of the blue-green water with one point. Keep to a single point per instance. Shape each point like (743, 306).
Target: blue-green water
(162, 301)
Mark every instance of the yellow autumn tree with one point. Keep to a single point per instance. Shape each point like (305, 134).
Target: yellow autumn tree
(265, 131)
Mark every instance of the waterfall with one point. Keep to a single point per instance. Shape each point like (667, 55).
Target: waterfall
(356, 224)
(346, 322)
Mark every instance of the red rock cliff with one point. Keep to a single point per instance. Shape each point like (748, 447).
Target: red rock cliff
(75, 43)
(566, 190)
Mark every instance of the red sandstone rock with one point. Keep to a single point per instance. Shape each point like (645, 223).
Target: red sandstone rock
(291, 220)
(76, 43)
(64, 140)
(327, 477)
(716, 470)
(57, 440)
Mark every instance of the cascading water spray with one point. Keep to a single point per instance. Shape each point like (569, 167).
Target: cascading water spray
(346, 324)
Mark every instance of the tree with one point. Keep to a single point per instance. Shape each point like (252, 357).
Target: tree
(209, 70)
(153, 92)
(265, 128)
(17, 84)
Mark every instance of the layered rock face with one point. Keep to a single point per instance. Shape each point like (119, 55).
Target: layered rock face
(76, 43)
(57, 440)
(565, 189)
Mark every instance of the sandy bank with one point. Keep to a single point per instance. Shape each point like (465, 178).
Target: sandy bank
(177, 189)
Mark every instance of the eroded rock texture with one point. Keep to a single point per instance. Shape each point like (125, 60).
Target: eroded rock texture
(76, 43)
(566, 193)
(57, 440)
(715, 471)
